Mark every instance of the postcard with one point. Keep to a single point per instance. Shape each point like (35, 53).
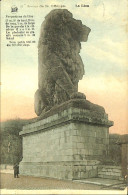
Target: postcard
(64, 90)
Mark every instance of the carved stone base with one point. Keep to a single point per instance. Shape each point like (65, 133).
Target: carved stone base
(61, 170)
(65, 145)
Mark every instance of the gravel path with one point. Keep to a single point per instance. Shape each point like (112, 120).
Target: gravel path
(35, 183)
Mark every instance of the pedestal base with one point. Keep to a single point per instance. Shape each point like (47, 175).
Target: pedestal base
(61, 170)
(66, 145)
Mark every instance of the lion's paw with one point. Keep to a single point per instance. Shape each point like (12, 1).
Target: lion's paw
(78, 95)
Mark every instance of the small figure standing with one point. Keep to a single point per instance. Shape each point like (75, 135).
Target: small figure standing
(16, 170)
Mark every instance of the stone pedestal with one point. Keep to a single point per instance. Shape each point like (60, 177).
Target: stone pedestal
(66, 145)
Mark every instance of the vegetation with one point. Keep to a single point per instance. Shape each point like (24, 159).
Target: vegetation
(115, 148)
(114, 156)
(11, 142)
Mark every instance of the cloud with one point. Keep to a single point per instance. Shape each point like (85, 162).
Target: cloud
(100, 54)
(105, 84)
(15, 105)
(106, 50)
(19, 80)
(17, 92)
(111, 93)
(114, 11)
(119, 49)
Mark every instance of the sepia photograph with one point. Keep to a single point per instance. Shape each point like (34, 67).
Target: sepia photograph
(64, 92)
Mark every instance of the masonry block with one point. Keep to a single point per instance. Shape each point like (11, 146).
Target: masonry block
(65, 145)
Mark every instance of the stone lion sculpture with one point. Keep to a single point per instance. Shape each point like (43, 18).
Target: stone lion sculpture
(60, 66)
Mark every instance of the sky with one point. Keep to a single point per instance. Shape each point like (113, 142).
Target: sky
(104, 56)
